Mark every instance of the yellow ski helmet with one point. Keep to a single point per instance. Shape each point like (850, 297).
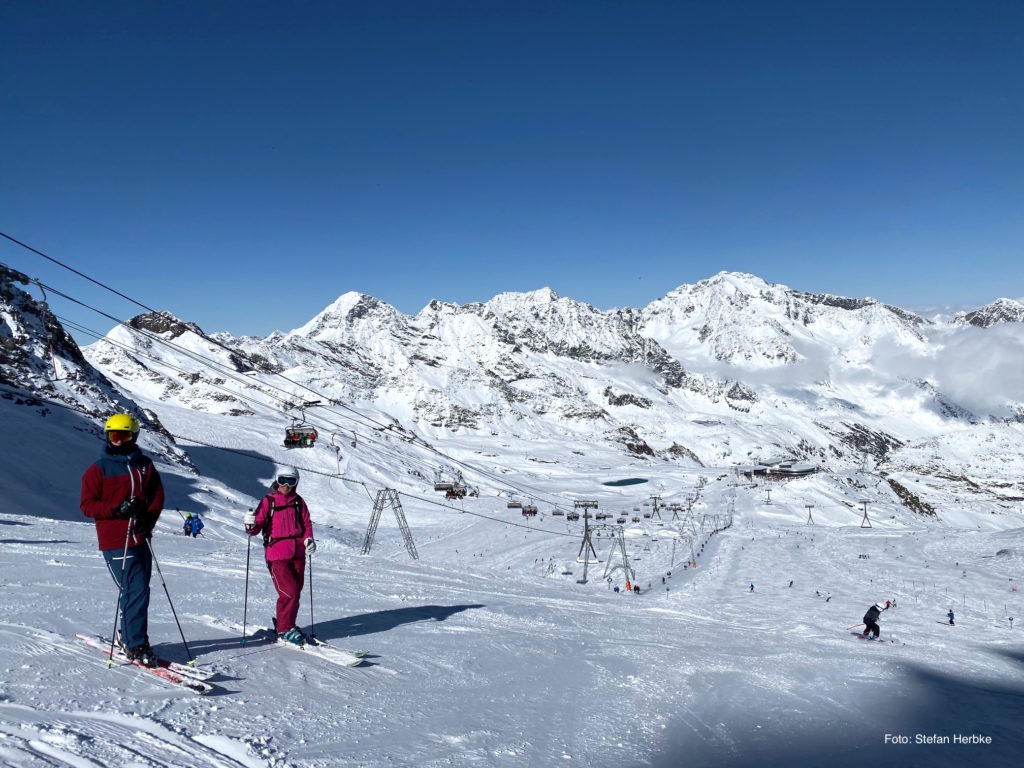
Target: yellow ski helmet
(122, 422)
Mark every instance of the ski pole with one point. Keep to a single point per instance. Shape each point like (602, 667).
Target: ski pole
(245, 604)
(174, 613)
(120, 588)
(855, 625)
(312, 626)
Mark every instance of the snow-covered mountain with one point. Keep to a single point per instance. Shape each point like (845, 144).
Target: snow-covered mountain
(741, 320)
(999, 311)
(727, 371)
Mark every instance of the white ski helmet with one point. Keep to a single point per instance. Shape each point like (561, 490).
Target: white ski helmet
(880, 606)
(290, 472)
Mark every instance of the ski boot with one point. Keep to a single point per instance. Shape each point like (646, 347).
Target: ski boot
(293, 636)
(142, 654)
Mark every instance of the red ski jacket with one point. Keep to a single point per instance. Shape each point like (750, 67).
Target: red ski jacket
(115, 478)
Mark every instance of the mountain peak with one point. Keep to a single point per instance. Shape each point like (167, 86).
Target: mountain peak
(999, 311)
(737, 281)
(164, 324)
(538, 297)
(347, 309)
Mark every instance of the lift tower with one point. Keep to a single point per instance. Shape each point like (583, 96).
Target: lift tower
(587, 546)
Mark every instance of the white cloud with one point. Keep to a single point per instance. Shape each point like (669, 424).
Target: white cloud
(983, 369)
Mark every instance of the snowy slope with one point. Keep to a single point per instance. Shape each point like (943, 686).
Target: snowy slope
(486, 650)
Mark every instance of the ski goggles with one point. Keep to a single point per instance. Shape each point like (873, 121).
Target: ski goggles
(121, 435)
(289, 480)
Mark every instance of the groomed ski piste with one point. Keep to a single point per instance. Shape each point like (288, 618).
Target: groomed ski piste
(486, 651)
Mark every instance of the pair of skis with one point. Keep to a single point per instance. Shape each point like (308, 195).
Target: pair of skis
(182, 675)
(314, 647)
(195, 679)
(319, 648)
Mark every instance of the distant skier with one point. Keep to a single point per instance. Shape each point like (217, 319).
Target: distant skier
(193, 525)
(829, 597)
(123, 493)
(950, 614)
(791, 582)
(751, 586)
(283, 519)
(871, 620)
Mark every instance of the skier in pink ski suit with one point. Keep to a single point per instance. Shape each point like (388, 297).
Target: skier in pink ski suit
(283, 519)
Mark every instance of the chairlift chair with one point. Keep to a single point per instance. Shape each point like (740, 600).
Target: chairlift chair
(442, 482)
(457, 491)
(300, 436)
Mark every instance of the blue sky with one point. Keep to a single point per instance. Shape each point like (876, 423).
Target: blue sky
(243, 164)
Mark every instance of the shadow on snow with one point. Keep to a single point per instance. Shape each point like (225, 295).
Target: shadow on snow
(381, 621)
(851, 732)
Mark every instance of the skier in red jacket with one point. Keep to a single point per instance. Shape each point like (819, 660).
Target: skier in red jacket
(123, 493)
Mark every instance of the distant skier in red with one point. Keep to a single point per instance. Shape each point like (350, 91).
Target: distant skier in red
(283, 519)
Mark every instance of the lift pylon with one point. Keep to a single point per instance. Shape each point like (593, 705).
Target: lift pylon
(586, 546)
(619, 545)
(389, 497)
(654, 507)
(865, 523)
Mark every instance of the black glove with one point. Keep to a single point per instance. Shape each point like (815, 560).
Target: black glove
(133, 507)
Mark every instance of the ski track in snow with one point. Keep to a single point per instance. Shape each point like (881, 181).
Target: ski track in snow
(98, 739)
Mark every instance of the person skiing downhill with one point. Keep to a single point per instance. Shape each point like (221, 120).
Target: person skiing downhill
(123, 493)
(871, 620)
(283, 519)
(950, 615)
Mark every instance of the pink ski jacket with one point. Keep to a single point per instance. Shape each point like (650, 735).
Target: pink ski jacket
(289, 526)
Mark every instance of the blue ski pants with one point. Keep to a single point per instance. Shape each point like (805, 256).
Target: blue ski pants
(138, 567)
